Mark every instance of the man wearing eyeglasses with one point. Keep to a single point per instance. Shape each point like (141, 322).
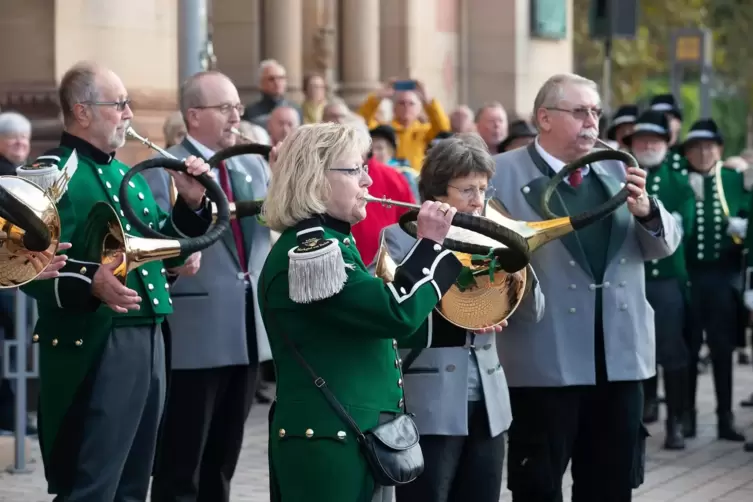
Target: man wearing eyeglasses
(219, 337)
(575, 376)
(102, 354)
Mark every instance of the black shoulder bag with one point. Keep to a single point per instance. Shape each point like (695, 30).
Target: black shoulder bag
(391, 449)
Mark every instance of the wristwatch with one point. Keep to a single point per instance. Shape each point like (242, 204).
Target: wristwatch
(653, 211)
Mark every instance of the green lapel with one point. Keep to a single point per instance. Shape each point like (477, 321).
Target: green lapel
(240, 182)
(532, 193)
(620, 218)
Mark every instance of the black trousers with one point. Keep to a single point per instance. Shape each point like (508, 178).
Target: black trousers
(460, 468)
(714, 309)
(202, 430)
(598, 427)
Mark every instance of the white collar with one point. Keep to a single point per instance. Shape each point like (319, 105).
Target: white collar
(555, 163)
(203, 150)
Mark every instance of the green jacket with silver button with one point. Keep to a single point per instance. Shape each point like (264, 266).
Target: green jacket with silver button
(709, 242)
(73, 325)
(351, 340)
(670, 186)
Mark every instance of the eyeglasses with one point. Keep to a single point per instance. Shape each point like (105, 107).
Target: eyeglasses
(581, 113)
(224, 108)
(356, 172)
(119, 105)
(471, 193)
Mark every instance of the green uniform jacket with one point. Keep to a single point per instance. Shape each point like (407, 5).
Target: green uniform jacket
(671, 187)
(351, 340)
(709, 242)
(73, 325)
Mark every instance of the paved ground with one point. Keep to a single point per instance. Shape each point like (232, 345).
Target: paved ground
(709, 470)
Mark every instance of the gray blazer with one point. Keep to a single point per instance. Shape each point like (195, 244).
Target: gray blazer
(436, 384)
(559, 350)
(209, 318)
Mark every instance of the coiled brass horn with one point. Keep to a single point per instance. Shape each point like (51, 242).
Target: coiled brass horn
(30, 225)
(498, 287)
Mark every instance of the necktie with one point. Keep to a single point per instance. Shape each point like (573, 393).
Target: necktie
(234, 224)
(575, 178)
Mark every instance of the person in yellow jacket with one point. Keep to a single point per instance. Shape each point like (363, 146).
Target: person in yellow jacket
(413, 136)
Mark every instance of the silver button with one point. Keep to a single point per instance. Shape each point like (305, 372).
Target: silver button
(167, 286)
(623, 261)
(699, 204)
(99, 171)
(128, 227)
(146, 211)
(572, 286)
(654, 262)
(654, 272)
(107, 184)
(700, 212)
(122, 173)
(655, 188)
(248, 178)
(151, 225)
(399, 382)
(657, 179)
(701, 237)
(437, 248)
(426, 271)
(170, 300)
(606, 284)
(162, 271)
(394, 344)
(144, 272)
(156, 301)
(572, 263)
(526, 189)
(684, 172)
(592, 287)
(400, 403)
(122, 213)
(403, 291)
(700, 256)
(115, 198)
(150, 286)
(676, 165)
(346, 241)
(141, 196)
(572, 310)
(132, 184)
(398, 363)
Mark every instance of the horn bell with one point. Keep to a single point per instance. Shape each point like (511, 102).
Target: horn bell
(536, 233)
(104, 238)
(18, 265)
(480, 299)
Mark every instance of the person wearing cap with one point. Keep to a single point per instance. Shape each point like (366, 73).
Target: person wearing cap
(521, 134)
(713, 254)
(666, 103)
(622, 124)
(666, 279)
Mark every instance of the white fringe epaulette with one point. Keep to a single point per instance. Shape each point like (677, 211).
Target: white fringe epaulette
(49, 177)
(316, 270)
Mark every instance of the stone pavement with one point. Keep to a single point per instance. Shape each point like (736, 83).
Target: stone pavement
(708, 470)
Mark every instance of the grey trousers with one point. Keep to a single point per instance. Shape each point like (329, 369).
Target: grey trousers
(117, 451)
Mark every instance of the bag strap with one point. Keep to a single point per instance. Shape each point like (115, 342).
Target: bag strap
(319, 382)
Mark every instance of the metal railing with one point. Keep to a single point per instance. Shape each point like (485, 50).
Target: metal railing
(17, 369)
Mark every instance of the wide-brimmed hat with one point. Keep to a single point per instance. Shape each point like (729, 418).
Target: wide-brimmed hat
(651, 122)
(703, 129)
(666, 103)
(518, 129)
(626, 114)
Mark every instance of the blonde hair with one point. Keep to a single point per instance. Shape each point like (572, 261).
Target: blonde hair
(299, 188)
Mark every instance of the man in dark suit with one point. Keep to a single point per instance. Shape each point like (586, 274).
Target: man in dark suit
(218, 338)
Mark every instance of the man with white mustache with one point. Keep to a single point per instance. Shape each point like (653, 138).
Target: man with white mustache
(666, 279)
(575, 376)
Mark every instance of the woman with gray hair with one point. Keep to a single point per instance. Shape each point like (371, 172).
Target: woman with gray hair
(15, 136)
(458, 395)
(334, 329)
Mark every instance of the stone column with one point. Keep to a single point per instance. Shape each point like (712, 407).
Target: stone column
(283, 40)
(360, 49)
(236, 33)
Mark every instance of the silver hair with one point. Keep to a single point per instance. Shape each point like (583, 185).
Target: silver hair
(488, 106)
(12, 123)
(78, 85)
(553, 91)
(267, 63)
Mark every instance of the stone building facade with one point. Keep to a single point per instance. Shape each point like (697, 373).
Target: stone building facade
(467, 51)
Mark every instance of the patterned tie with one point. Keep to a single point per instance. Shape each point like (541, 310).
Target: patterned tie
(575, 178)
(234, 224)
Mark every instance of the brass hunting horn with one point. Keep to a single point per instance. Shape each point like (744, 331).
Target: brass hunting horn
(492, 289)
(30, 225)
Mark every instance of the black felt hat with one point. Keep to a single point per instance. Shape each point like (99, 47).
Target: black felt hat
(703, 129)
(651, 122)
(626, 114)
(518, 129)
(666, 103)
